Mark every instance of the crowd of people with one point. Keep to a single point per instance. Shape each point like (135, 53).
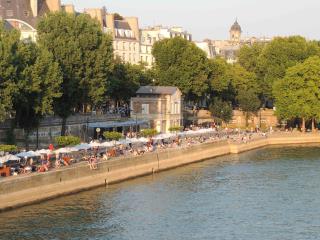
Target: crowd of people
(92, 156)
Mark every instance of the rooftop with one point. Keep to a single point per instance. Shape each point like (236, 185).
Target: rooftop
(158, 90)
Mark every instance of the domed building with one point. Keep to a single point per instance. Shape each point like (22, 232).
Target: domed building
(235, 32)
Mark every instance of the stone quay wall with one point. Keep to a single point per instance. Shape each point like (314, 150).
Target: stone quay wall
(29, 189)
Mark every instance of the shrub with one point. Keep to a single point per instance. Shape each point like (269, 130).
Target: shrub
(64, 141)
(8, 148)
(148, 132)
(175, 129)
(112, 136)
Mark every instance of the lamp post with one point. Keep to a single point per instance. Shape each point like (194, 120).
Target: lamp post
(87, 130)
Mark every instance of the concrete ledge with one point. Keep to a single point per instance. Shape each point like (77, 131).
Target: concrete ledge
(25, 190)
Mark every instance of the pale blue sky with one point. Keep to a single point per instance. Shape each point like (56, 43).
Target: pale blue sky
(213, 18)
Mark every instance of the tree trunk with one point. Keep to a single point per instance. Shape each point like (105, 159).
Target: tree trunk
(303, 125)
(247, 119)
(313, 125)
(64, 126)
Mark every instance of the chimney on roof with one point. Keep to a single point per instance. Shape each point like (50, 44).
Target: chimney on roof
(34, 7)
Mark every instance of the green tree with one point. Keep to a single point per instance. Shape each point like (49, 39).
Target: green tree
(278, 56)
(64, 141)
(148, 132)
(220, 80)
(112, 136)
(248, 102)
(246, 90)
(297, 95)
(221, 111)
(84, 55)
(126, 79)
(9, 68)
(29, 80)
(37, 87)
(182, 64)
(248, 56)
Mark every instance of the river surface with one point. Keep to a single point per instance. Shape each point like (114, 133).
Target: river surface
(271, 193)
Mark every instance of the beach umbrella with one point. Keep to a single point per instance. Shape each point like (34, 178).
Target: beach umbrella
(107, 144)
(95, 144)
(44, 151)
(9, 158)
(24, 155)
(83, 146)
(66, 150)
(34, 154)
(143, 140)
(125, 141)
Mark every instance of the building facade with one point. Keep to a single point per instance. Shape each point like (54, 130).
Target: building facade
(228, 49)
(126, 38)
(23, 15)
(161, 106)
(150, 35)
(207, 47)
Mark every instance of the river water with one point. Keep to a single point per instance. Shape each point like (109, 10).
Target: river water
(271, 193)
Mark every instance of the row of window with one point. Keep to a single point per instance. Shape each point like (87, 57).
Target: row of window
(124, 33)
(147, 59)
(9, 13)
(128, 57)
(126, 45)
(149, 40)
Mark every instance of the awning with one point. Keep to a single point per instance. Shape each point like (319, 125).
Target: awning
(117, 124)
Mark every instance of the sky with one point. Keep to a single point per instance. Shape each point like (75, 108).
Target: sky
(213, 18)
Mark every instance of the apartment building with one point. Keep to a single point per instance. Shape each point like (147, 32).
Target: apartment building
(153, 34)
(24, 14)
(126, 38)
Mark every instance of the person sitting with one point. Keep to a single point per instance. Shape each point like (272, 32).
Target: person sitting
(94, 163)
(41, 169)
(105, 157)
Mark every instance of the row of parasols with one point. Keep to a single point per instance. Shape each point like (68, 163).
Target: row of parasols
(87, 146)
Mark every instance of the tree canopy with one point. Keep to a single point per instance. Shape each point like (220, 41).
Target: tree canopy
(84, 55)
(29, 80)
(182, 64)
(297, 95)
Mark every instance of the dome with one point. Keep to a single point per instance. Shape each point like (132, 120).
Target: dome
(236, 27)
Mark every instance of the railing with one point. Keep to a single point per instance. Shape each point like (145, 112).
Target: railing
(72, 120)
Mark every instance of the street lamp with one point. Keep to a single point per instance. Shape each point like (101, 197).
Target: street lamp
(87, 130)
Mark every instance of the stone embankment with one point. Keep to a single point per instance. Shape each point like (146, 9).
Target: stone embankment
(25, 190)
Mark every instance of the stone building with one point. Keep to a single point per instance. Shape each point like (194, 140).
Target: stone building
(161, 106)
(151, 35)
(100, 14)
(207, 47)
(235, 32)
(24, 14)
(126, 38)
(228, 49)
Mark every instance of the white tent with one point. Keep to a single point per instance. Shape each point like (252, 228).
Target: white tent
(107, 144)
(26, 155)
(66, 150)
(34, 154)
(44, 151)
(95, 144)
(164, 136)
(9, 157)
(83, 146)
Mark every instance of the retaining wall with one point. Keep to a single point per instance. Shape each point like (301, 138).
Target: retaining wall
(23, 190)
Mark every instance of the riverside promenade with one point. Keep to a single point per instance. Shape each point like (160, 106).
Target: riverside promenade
(29, 189)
